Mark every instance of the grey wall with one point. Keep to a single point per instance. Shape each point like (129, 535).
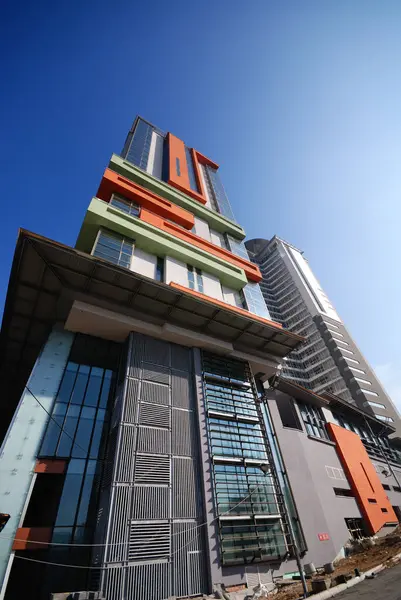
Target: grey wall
(320, 511)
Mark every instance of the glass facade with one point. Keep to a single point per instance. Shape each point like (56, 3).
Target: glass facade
(220, 194)
(138, 150)
(114, 248)
(191, 170)
(81, 414)
(242, 490)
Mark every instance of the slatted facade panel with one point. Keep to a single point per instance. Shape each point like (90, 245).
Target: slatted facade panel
(181, 358)
(126, 454)
(181, 391)
(183, 433)
(156, 441)
(154, 414)
(137, 344)
(151, 502)
(149, 541)
(155, 393)
(152, 469)
(119, 530)
(148, 582)
(131, 401)
(185, 505)
(189, 568)
(155, 373)
(110, 458)
(156, 351)
(114, 583)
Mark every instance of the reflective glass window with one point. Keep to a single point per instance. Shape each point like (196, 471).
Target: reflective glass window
(114, 248)
(131, 208)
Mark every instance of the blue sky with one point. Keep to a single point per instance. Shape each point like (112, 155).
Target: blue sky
(299, 101)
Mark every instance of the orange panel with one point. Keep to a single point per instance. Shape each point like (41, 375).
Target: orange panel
(235, 309)
(178, 162)
(251, 270)
(112, 182)
(364, 481)
(56, 467)
(39, 534)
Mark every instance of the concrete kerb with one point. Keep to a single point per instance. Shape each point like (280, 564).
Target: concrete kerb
(344, 586)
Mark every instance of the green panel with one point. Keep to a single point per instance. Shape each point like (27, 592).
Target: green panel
(215, 220)
(154, 240)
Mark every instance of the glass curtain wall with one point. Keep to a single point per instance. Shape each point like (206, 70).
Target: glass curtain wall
(249, 518)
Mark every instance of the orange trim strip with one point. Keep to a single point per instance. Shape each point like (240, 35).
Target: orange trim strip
(39, 534)
(363, 479)
(49, 466)
(251, 270)
(235, 309)
(112, 182)
(180, 181)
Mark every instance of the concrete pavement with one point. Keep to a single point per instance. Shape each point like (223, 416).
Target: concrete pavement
(386, 586)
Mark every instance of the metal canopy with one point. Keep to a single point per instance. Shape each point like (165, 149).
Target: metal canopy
(46, 278)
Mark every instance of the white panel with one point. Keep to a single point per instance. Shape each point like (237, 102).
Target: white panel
(211, 286)
(202, 229)
(155, 160)
(217, 238)
(144, 263)
(176, 271)
(311, 284)
(231, 296)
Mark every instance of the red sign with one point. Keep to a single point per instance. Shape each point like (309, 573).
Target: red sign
(323, 537)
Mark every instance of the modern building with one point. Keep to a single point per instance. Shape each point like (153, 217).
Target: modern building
(328, 360)
(151, 448)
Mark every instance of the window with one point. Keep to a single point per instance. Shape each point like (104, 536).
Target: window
(191, 170)
(385, 419)
(365, 381)
(288, 413)
(343, 493)
(355, 528)
(362, 391)
(396, 488)
(114, 248)
(314, 421)
(386, 486)
(131, 208)
(178, 166)
(376, 404)
(160, 269)
(195, 280)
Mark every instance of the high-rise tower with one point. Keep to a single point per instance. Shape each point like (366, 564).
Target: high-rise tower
(328, 360)
(132, 368)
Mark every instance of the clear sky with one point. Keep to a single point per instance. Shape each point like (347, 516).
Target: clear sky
(298, 100)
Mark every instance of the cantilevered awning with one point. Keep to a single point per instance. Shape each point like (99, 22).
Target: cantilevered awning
(47, 277)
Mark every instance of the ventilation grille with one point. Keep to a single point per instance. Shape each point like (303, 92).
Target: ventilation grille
(153, 441)
(149, 541)
(151, 502)
(131, 401)
(155, 393)
(152, 469)
(114, 587)
(148, 582)
(156, 373)
(180, 391)
(117, 548)
(186, 505)
(182, 433)
(152, 414)
(126, 454)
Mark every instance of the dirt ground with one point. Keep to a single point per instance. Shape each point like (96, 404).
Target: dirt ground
(382, 552)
